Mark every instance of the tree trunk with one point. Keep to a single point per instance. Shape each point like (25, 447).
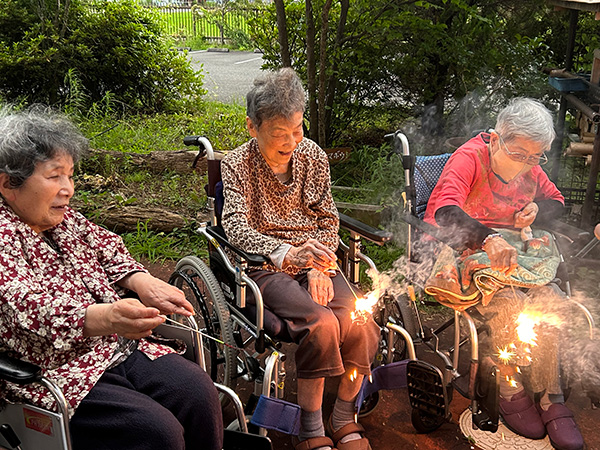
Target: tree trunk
(311, 72)
(157, 162)
(284, 47)
(332, 82)
(323, 72)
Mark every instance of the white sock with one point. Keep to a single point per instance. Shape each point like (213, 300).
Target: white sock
(311, 425)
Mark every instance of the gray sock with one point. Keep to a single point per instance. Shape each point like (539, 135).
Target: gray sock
(343, 414)
(311, 425)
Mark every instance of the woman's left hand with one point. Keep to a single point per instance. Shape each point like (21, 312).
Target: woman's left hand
(320, 287)
(526, 216)
(155, 292)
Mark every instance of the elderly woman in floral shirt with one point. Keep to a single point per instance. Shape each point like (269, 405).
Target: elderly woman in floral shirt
(278, 203)
(59, 306)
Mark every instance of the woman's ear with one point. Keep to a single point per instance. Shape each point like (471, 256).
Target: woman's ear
(253, 130)
(6, 190)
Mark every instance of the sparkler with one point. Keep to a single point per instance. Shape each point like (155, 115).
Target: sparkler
(363, 307)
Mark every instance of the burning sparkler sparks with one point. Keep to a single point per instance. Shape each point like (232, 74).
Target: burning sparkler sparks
(353, 375)
(505, 355)
(363, 307)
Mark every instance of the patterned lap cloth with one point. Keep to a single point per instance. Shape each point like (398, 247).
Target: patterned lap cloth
(463, 280)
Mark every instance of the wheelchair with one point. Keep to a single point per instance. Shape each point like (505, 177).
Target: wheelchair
(470, 372)
(25, 427)
(244, 338)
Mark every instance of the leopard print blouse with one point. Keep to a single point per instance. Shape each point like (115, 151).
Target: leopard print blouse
(261, 212)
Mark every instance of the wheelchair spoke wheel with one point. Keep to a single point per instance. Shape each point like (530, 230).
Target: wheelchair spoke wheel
(400, 311)
(202, 290)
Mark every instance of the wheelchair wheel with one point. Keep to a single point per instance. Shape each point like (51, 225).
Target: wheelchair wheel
(399, 311)
(202, 290)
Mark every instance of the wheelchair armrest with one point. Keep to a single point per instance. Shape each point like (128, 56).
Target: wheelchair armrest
(575, 234)
(17, 371)
(219, 234)
(370, 233)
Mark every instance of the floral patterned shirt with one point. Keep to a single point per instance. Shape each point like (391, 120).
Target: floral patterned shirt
(44, 293)
(261, 212)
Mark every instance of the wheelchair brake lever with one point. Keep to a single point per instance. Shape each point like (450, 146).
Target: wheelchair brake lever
(10, 436)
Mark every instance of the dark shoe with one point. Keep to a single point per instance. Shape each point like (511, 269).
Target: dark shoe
(561, 427)
(521, 416)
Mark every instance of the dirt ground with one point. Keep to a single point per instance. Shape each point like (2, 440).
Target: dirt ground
(389, 425)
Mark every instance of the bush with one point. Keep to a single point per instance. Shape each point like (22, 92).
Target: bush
(112, 48)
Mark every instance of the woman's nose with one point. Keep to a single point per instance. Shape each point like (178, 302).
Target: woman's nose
(68, 187)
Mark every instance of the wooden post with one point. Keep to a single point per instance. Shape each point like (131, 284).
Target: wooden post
(590, 193)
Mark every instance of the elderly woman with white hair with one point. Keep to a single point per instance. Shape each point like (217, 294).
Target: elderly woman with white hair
(491, 184)
(60, 308)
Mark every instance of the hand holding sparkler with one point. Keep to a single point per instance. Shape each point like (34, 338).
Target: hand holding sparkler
(503, 256)
(311, 254)
(526, 216)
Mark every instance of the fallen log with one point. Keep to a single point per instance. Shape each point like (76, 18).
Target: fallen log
(580, 149)
(179, 161)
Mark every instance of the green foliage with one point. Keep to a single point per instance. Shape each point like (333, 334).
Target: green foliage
(114, 49)
(222, 124)
(412, 54)
(159, 246)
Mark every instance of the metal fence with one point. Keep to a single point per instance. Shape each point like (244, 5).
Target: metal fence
(213, 25)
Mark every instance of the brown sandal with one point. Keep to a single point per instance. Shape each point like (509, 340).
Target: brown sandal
(356, 444)
(312, 443)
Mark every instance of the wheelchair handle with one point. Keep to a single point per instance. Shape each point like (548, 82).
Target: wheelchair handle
(205, 147)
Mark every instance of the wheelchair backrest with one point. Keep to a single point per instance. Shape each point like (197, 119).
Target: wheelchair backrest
(427, 172)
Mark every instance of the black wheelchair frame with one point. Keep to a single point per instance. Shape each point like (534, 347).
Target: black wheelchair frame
(219, 290)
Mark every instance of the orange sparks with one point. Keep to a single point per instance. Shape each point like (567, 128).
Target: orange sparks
(363, 307)
(505, 355)
(353, 375)
(528, 320)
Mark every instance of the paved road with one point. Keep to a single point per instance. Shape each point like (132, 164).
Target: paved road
(227, 75)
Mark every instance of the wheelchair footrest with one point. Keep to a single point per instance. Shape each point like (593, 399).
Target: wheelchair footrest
(389, 376)
(275, 414)
(426, 389)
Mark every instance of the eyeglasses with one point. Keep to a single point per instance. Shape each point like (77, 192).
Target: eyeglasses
(520, 157)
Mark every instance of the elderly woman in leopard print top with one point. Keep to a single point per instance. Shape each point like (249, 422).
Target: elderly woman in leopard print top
(278, 203)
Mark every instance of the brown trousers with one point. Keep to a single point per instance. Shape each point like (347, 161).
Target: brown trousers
(329, 343)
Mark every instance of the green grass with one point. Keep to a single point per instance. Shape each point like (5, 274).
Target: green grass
(223, 124)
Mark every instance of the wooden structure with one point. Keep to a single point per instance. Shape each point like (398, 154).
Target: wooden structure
(586, 106)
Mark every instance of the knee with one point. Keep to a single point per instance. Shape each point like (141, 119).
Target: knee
(326, 326)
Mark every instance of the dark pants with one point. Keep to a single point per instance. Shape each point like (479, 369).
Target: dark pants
(328, 341)
(169, 403)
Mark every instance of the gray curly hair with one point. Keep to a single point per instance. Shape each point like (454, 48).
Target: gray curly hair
(277, 94)
(526, 118)
(35, 135)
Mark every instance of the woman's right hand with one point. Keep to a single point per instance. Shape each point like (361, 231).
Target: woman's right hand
(312, 254)
(127, 317)
(503, 256)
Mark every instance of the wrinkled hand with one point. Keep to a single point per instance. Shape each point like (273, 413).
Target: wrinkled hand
(154, 292)
(503, 256)
(312, 254)
(127, 317)
(526, 216)
(320, 287)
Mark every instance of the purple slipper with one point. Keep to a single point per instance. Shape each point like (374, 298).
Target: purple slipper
(521, 416)
(561, 427)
